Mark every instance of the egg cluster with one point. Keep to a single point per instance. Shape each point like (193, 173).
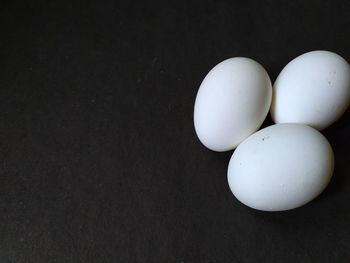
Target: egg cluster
(286, 165)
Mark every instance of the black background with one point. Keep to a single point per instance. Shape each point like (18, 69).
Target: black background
(99, 158)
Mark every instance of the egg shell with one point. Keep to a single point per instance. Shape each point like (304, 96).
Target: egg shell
(281, 167)
(312, 89)
(232, 103)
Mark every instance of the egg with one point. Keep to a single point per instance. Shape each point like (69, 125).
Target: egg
(281, 167)
(232, 103)
(312, 89)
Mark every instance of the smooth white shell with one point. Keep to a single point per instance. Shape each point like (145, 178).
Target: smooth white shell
(232, 103)
(312, 89)
(281, 167)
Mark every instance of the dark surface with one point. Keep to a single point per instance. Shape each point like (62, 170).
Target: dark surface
(99, 158)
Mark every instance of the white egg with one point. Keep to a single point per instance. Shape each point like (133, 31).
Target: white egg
(312, 89)
(281, 167)
(232, 103)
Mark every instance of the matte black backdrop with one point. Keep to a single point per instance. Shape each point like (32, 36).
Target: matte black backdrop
(99, 159)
